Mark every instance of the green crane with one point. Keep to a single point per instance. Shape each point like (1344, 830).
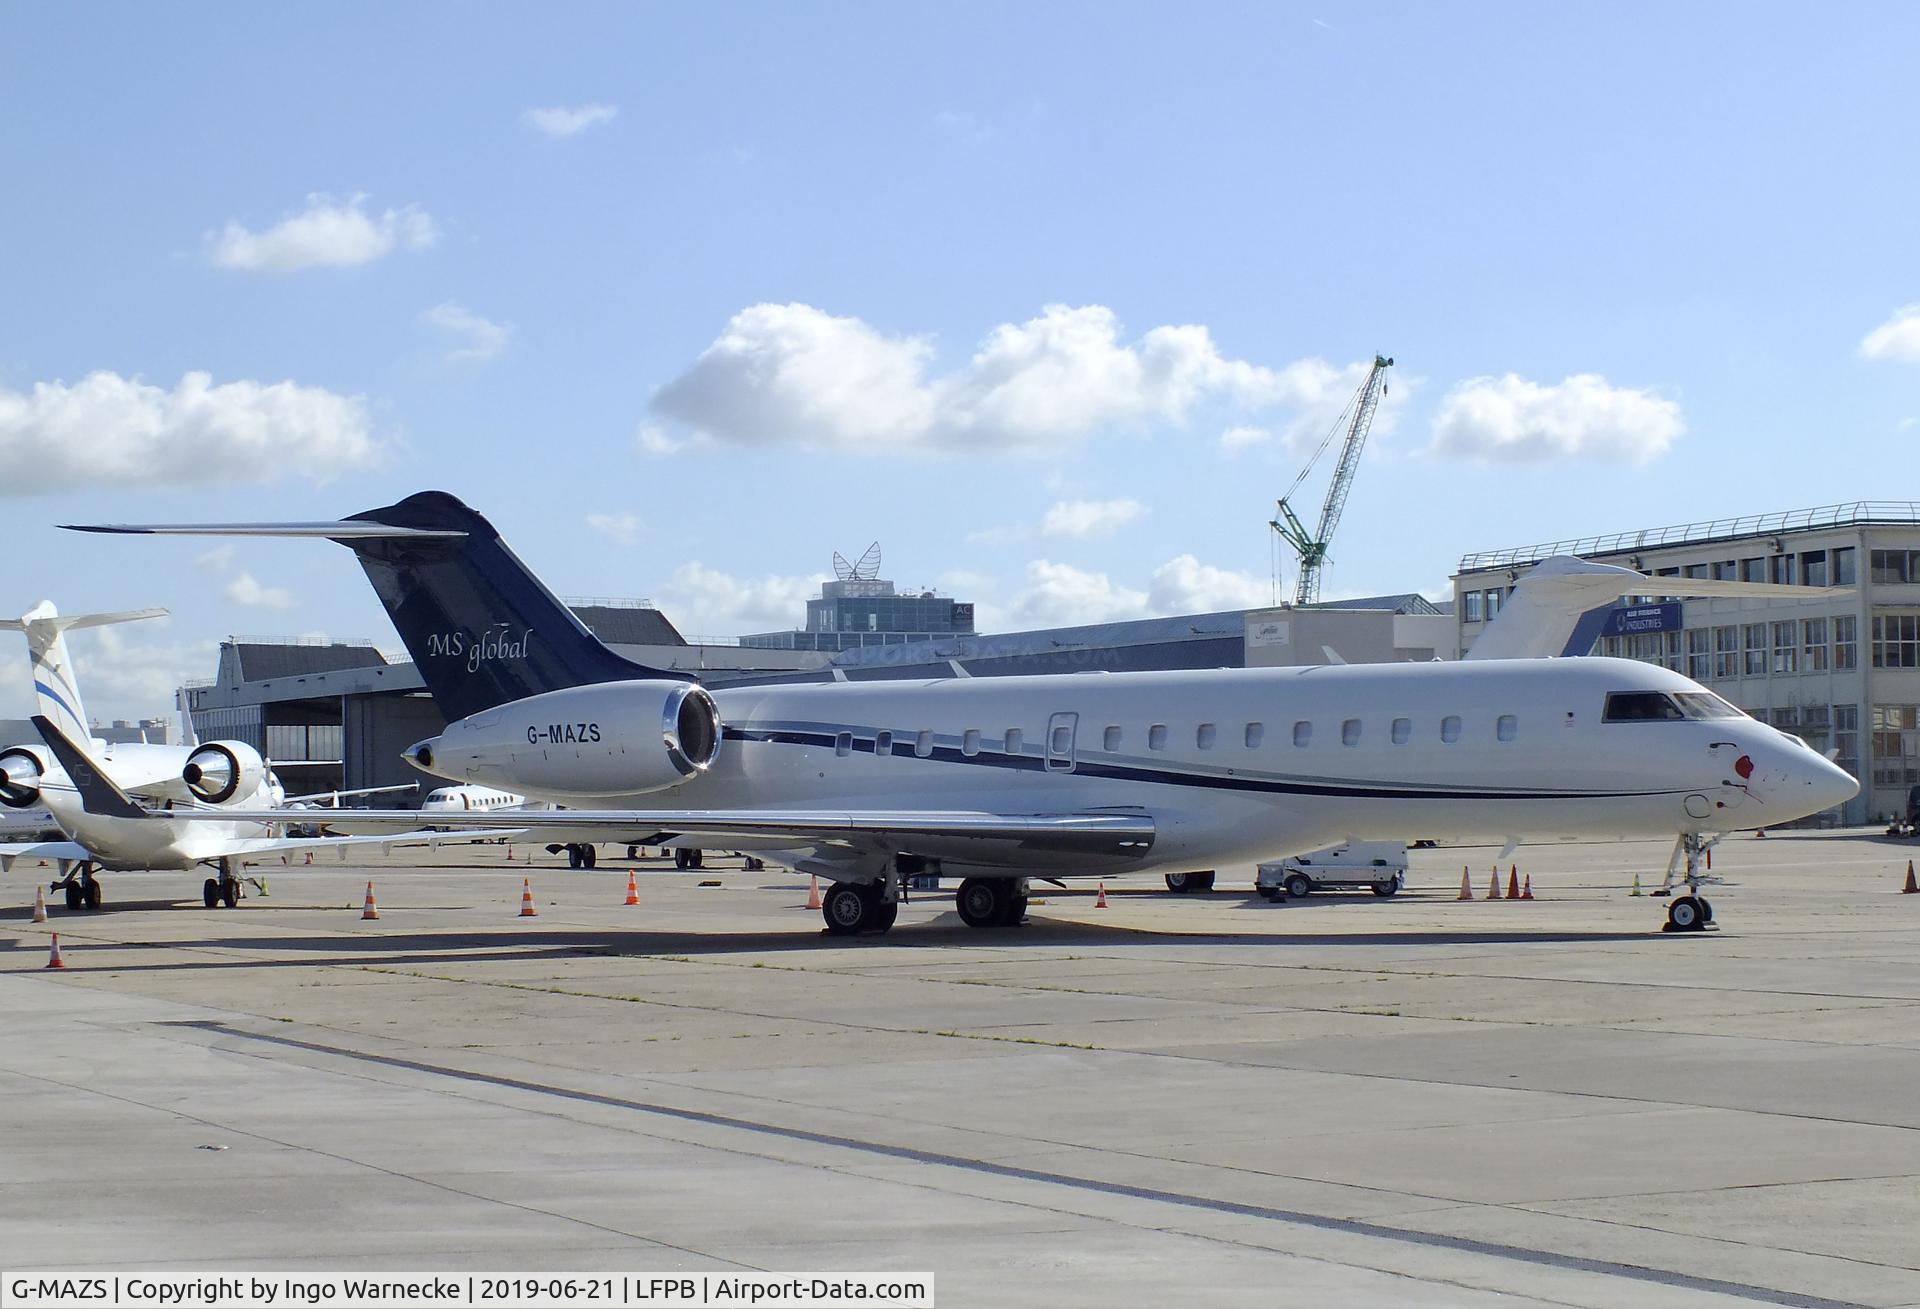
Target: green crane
(1355, 419)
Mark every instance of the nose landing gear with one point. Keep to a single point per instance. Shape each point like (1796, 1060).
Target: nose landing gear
(1690, 912)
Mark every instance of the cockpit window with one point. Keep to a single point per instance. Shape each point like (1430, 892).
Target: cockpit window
(1641, 707)
(1705, 704)
(1660, 707)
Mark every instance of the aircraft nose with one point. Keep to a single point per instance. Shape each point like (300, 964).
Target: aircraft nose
(1832, 785)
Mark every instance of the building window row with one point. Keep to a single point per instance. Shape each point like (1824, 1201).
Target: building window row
(1896, 640)
(1812, 645)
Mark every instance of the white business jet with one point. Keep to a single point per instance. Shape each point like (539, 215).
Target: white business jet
(111, 831)
(995, 780)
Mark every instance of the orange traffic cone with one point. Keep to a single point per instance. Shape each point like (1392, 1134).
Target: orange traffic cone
(1911, 888)
(813, 892)
(1513, 881)
(53, 956)
(633, 888)
(1493, 887)
(39, 905)
(1100, 901)
(526, 899)
(370, 910)
(509, 852)
(1466, 884)
(1526, 889)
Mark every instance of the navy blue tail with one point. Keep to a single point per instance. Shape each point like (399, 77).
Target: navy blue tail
(481, 627)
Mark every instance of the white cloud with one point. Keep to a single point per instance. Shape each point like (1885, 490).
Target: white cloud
(245, 589)
(108, 430)
(568, 120)
(1897, 338)
(792, 374)
(622, 529)
(217, 561)
(122, 678)
(479, 339)
(653, 441)
(1060, 595)
(328, 233)
(1184, 585)
(1236, 439)
(963, 127)
(706, 601)
(1086, 518)
(1510, 419)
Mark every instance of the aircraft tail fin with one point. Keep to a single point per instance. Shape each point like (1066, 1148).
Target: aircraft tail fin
(98, 793)
(55, 684)
(482, 629)
(1560, 607)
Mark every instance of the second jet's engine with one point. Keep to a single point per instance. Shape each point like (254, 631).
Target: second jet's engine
(615, 738)
(21, 769)
(220, 770)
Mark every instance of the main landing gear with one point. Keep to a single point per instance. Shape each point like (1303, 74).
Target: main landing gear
(992, 901)
(582, 855)
(854, 907)
(1188, 883)
(82, 886)
(224, 889)
(1690, 912)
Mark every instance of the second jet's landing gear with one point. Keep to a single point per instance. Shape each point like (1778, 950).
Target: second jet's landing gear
(992, 901)
(582, 855)
(224, 889)
(1690, 912)
(1188, 883)
(82, 886)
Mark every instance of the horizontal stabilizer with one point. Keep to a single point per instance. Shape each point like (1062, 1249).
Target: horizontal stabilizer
(43, 619)
(339, 530)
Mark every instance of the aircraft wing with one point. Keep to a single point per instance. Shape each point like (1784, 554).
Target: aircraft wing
(1023, 838)
(259, 845)
(71, 851)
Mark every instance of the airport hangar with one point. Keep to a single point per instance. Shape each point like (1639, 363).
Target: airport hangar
(338, 713)
(1840, 669)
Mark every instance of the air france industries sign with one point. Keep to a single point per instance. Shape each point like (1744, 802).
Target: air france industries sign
(1634, 620)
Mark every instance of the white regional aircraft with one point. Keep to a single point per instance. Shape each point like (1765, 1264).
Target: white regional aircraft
(998, 779)
(110, 830)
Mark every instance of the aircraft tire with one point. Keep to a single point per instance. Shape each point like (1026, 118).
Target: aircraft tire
(1706, 911)
(1683, 915)
(1015, 911)
(884, 916)
(589, 856)
(230, 892)
(1200, 882)
(210, 893)
(981, 902)
(846, 909)
(574, 858)
(73, 895)
(92, 893)
(1178, 883)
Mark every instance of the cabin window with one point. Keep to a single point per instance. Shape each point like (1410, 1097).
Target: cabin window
(1157, 737)
(970, 742)
(1506, 727)
(1303, 733)
(1350, 732)
(1062, 740)
(1016, 740)
(843, 744)
(1203, 736)
(883, 744)
(1110, 739)
(923, 744)
(1450, 728)
(1256, 733)
(1402, 730)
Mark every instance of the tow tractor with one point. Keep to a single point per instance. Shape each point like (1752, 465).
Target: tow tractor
(1379, 866)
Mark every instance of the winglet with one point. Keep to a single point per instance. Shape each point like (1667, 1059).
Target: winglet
(98, 794)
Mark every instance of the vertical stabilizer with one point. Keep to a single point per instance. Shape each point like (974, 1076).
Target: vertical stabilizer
(54, 684)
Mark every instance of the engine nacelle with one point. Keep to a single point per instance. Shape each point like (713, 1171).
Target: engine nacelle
(220, 770)
(21, 769)
(616, 738)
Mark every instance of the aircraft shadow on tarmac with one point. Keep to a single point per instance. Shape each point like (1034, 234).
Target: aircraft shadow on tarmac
(390, 948)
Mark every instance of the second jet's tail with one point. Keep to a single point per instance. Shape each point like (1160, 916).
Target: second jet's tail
(482, 629)
(55, 685)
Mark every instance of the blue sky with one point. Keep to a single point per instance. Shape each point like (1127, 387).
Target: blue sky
(992, 284)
